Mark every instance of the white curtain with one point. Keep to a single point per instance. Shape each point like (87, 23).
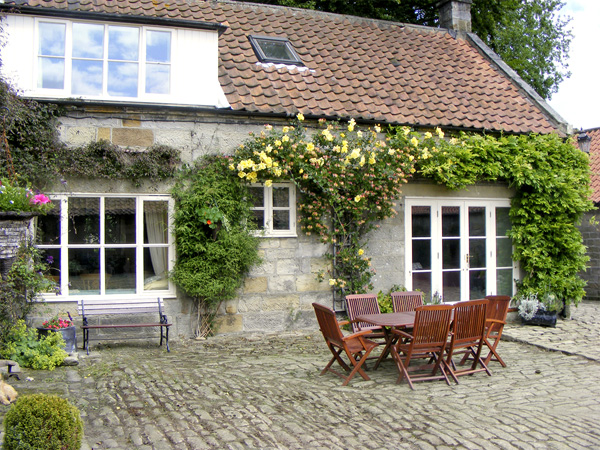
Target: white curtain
(156, 223)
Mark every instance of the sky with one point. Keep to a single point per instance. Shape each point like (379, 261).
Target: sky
(578, 97)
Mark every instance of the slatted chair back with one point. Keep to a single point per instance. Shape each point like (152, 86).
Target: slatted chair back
(432, 324)
(468, 333)
(407, 300)
(427, 341)
(357, 304)
(355, 346)
(496, 319)
(328, 324)
(497, 310)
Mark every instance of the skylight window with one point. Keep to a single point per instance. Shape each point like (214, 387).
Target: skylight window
(274, 50)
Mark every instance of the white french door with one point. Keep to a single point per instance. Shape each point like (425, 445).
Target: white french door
(458, 249)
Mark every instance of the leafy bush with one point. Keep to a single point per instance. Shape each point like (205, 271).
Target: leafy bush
(42, 422)
(30, 350)
(21, 286)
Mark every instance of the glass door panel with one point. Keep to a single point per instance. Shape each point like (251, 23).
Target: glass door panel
(421, 249)
(451, 254)
(476, 259)
(504, 263)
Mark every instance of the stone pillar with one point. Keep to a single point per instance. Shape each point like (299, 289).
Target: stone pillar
(15, 228)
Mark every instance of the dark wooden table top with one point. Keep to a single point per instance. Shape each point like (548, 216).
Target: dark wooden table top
(400, 319)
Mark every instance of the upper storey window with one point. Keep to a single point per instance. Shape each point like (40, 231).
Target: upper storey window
(274, 50)
(99, 60)
(110, 61)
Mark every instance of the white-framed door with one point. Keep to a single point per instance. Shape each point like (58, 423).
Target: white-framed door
(458, 248)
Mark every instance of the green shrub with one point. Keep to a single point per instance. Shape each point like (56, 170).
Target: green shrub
(24, 346)
(42, 422)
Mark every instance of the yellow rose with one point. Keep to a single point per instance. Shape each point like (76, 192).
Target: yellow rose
(360, 252)
(414, 141)
(300, 117)
(285, 138)
(357, 198)
(268, 183)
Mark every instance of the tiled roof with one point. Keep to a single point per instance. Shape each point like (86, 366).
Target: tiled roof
(595, 162)
(354, 67)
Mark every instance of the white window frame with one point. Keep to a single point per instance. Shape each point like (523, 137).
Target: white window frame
(436, 205)
(139, 245)
(68, 58)
(268, 209)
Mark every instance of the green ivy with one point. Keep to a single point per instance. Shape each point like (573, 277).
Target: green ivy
(212, 258)
(551, 177)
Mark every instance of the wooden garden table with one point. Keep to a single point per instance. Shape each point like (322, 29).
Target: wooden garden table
(387, 321)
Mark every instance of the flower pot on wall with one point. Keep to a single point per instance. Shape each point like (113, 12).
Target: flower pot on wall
(69, 335)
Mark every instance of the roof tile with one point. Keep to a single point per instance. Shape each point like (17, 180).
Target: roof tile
(359, 68)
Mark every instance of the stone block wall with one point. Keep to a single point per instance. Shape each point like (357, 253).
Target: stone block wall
(590, 231)
(12, 233)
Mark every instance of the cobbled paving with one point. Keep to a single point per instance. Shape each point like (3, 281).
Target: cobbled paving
(263, 391)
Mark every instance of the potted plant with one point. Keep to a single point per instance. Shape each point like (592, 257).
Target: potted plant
(534, 311)
(63, 326)
(18, 201)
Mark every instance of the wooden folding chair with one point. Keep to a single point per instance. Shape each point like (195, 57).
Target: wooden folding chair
(497, 311)
(407, 300)
(427, 341)
(357, 304)
(468, 328)
(356, 346)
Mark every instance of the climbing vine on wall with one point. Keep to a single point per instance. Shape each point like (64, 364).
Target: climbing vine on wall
(551, 177)
(349, 180)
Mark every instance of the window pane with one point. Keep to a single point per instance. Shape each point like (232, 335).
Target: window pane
(451, 254)
(257, 196)
(502, 221)
(51, 257)
(119, 221)
(51, 74)
(48, 230)
(123, 43)
(421, 255)
(477, 284)
(477, 253)
(503, 252)
(422, 281)
(120, 270)
(504, 282)
(477, 221)
(52, 39)
(158, 79)
(86, 77)
(276, 49)
(123, 79)
(156, 223)
(158, 46)
(451, 286)
(155, 269)
(281, 197)
(421, 221)
(88, 41)
(84, 273)
(84, 220)
(281, 220)
(450, 221)
(259, 217)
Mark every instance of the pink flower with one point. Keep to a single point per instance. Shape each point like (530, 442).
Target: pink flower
(40, 199)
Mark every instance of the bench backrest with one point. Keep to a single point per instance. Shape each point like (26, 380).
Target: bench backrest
(96, 307)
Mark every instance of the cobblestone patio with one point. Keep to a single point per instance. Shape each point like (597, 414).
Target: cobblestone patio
(265, 392)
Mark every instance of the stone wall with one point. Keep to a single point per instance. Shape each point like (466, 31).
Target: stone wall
(590, 232)
(13, 231)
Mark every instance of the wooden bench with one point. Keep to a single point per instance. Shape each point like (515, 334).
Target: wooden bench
(130, 307)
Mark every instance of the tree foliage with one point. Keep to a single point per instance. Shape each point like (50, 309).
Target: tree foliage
(527, 34)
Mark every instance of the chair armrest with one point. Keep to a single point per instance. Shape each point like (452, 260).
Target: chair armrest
(355, 335)
(344, 322)
(503, 322)
(402, 333)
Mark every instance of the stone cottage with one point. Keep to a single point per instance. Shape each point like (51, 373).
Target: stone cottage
(199, 76)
